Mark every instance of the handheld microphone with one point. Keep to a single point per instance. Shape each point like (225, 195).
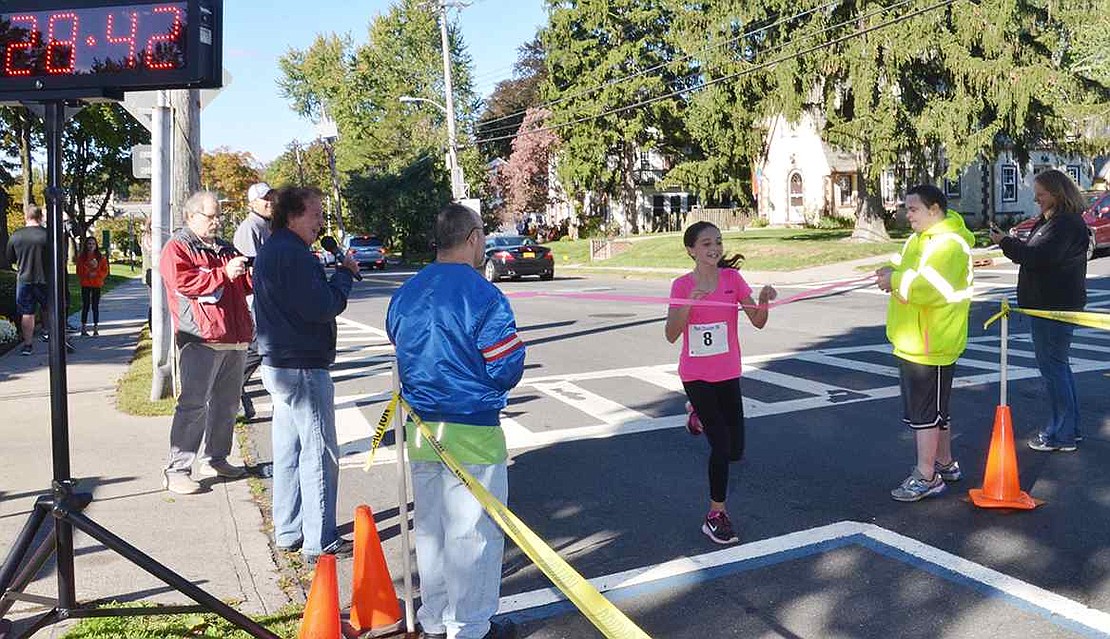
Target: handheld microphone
(329, 244)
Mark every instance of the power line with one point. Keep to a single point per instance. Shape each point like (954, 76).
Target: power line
(731, 76)
(662, 65)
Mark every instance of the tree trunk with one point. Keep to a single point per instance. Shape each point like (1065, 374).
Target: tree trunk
(4, 200)
(25, 158)
(185, 175)
(870, 225)
(628, 187)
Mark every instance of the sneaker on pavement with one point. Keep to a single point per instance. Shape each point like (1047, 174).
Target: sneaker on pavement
(693, 423)
(84, 332)
(718, 527)
(1046, 445)
(341, 548)
(27, 350)
(950, 471)
(433, 635)
(290, 548)
(916, 487)
(180, 483)
(221, 469)
(96, 332)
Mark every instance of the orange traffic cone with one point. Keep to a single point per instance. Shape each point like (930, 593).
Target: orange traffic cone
(321, 611)
(1001, 488)
(374, 606)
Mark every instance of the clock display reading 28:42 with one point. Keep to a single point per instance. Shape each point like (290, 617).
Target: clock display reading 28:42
(97, 41)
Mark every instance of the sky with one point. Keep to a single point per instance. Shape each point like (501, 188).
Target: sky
(250, 115)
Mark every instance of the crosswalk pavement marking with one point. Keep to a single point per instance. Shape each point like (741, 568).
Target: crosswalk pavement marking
(614, 418)
(592, 404)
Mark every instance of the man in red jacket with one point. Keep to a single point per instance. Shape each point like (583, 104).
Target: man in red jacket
(207, 285)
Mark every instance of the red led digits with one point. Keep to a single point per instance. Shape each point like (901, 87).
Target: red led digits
(32, 41)
(175, 32)
(66, 47)
(129, 39)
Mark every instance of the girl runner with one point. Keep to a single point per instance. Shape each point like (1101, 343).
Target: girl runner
(709, 365)
(92, 270)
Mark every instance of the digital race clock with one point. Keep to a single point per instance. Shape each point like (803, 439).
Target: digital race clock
(119, 45)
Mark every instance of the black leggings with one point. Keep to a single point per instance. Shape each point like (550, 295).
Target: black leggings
(90, 298)
(720, 408)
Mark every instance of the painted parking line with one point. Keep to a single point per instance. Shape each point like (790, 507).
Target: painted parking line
(684, 572)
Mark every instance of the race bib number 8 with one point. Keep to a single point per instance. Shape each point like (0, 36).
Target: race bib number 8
(708, 339)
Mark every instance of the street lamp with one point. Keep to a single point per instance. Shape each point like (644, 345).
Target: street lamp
(458, 185)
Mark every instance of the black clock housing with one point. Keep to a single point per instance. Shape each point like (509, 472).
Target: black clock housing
(98, 47)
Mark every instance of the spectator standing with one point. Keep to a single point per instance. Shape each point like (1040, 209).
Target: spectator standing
(458, 354)
(92, 271)
(206, 285)
(295, 306)
(252, 233)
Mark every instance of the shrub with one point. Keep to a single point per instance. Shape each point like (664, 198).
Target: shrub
(759, 222)
(7, 293)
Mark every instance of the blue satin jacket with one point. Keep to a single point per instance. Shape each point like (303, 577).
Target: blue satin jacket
(458, 352)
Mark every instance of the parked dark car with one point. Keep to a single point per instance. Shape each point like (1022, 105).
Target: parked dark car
(516, 255)
(366, 250)
(1097, 217)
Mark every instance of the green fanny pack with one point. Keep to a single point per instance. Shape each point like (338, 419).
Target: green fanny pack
(468, 444)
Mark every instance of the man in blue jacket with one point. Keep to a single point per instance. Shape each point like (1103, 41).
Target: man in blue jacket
(295, 308)
(458, 354)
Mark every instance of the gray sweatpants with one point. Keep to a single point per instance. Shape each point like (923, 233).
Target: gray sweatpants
(210, 384)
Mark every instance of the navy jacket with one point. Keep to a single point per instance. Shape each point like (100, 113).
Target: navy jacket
(458, 353)
(295, 305)
(1053, 272)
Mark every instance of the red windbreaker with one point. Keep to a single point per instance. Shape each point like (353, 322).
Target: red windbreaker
(92, 270)
(206, 305)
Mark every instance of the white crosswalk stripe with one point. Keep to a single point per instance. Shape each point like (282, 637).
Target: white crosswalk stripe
(535, 427)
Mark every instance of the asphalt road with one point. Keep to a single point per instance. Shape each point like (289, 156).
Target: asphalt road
(604, 472)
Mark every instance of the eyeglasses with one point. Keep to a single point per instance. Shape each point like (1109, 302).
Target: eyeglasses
(219, 215)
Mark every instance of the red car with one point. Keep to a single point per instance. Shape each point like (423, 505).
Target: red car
(1097, 217)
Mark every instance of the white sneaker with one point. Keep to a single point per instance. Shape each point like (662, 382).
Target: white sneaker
(221, 469)
(180, 483)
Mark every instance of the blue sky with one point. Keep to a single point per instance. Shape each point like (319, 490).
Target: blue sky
(250, 115)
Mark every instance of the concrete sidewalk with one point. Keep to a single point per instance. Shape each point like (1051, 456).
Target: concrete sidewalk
(214, 539)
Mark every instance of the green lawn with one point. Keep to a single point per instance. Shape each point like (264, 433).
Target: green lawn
(763, 249)
(133, 390)
(284, 624)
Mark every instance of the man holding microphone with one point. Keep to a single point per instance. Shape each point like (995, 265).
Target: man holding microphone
(295, 306)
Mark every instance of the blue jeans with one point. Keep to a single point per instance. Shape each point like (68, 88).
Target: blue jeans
(306, 457)
(458, 549)
(1051, 346)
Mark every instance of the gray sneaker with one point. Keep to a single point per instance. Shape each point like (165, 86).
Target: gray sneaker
(950, 471)
(220, 469)
(916, 487)
(180, 483)
(1046, 445)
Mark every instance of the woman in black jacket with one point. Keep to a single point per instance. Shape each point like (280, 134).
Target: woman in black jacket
(1053, 276)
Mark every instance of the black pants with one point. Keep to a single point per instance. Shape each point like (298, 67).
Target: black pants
(90, 298)
(254, 360)
(720, 408)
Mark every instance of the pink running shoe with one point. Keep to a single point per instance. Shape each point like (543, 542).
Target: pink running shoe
(693, 424)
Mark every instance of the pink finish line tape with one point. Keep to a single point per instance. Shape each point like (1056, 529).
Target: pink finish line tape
(677, 301)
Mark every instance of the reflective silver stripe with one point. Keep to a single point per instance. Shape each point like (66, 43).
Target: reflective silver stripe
(907, 280)
(944, 287)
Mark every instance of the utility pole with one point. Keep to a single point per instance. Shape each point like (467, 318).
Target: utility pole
(185, 109)
(459, 188)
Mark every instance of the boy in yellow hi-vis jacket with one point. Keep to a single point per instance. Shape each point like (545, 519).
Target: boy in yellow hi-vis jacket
(930, 286)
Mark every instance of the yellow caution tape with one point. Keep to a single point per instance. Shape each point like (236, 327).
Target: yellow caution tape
(600, 611)
(379, 432)
(1079, 318)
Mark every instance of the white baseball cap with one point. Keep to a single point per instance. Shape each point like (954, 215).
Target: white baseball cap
(258, 191)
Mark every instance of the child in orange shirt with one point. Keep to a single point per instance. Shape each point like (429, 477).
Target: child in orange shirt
(92, 270)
